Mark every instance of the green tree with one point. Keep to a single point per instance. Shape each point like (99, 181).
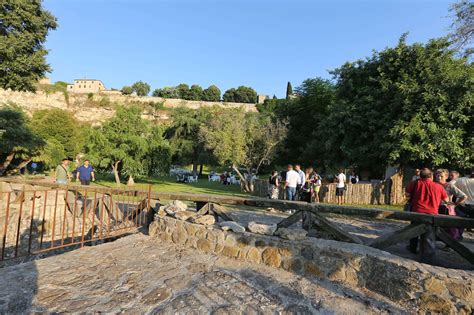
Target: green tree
(127, 90)
(406, 105)
(195, 93)
(124, 144)
(183, 91)
(16, 137)
(61, 126)
(141, 88)
(289, 90)
(211, 94)
(166, 92)
(51, 154)
(183, 134)
(242, 139)
(242, 94)
(305, 142)
(23, 29)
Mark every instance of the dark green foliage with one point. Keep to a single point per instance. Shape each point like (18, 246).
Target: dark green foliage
(61, 126)
(16, 137)
(183, 91)
(127, 90)
(195, 93)
(23, 29)
(242, 94)
(407, 105)
(211, 94)
(289, 90)
(166, 92)
(141, 88)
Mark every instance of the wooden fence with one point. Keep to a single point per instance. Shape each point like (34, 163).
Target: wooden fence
(375, 193)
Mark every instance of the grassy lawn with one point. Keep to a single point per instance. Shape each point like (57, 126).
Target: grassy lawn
(169, 184)
(203, 186)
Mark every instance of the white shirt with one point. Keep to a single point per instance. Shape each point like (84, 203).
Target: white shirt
(466, 185)
(292, 178)
(302, 176)
(341, 179)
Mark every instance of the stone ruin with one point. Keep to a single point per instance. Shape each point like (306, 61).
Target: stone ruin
(427, 288)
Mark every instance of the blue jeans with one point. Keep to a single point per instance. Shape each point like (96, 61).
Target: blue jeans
(290, 193)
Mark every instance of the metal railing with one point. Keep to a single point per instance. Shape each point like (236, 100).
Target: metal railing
(41, 220)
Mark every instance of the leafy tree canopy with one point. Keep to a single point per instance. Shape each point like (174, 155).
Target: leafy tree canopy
(61, 126)
(127, 90)
(141, 88)
(211, 94)
(242, 94)
(406, 105)
(462, 28)
(23, 29)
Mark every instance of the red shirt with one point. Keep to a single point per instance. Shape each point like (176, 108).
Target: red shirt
(425, 195)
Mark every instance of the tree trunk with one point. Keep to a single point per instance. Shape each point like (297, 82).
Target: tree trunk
(244, 183)
(19, 167)
(6, 163)
(115, 170)
(195, 167)
(200, 169)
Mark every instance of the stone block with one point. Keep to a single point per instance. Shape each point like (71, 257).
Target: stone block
(261, 228)
(230, 239)
(433, 303)
(205, 220)
(463, 291)
(231, 225)
(253, 255)
(191, 242)
(291, 234)
(285, 251)
(271, 257)
(191, 229)
(219, 248)
(205, 245)
(179, 236)
(184, 215)
(310, 268)
(292, 264)
(434, 285)
(201, 232)
(307, 253)
(230, 251)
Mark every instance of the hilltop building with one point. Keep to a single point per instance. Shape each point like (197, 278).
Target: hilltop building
(261, 98)
(86, 86)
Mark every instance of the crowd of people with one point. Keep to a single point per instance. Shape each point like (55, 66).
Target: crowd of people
(305, 185)
(442, 192)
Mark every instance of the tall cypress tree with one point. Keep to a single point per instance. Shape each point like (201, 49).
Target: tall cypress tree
(289, 90)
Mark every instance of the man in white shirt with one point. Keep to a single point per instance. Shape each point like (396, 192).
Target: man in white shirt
(302, 180)
(340, 185)
(292, 180)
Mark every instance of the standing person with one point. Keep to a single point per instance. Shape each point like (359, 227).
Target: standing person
(466, 185)
(33, 168)
(417, 174)
(353, 179)
(292, 180)
(456, 197)
(453, 177)
(307, 187)
(301, 181)
(61, 175)
(425, 196)
(85, 173)
(316, 185)
(273, 185)
(340, 187)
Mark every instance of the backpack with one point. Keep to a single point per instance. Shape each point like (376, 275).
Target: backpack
(272, 180)
(353, 180)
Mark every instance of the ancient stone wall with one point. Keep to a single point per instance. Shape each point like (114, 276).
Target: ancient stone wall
(79, 104)
(406, 282)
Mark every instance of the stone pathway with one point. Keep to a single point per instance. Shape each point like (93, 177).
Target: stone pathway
(138, 274)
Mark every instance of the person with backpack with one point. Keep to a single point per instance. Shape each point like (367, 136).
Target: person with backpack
(62, 175)
(273, 185)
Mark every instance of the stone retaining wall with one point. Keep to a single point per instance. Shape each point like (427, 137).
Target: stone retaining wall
(406, 282)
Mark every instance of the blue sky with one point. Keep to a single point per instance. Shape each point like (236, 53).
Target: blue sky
(259, 43)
